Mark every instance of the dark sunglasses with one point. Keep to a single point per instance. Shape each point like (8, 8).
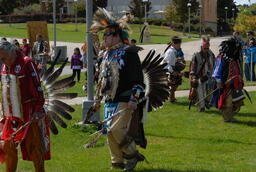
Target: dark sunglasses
(206, 48)
(109, 33)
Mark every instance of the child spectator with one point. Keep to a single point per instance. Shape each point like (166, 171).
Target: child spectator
(76, 63)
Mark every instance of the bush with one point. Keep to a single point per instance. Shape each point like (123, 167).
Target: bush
(157, 22)
(31, 17)
(30, 9)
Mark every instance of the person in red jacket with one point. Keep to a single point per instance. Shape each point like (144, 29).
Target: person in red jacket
(23, 119)
(26, 49)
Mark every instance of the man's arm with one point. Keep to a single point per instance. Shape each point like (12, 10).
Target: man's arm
(193, 65)
(135, 76)
(35, 87)
(170, 59)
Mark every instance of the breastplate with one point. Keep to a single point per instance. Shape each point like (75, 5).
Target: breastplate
(11, 102)
(109, 77)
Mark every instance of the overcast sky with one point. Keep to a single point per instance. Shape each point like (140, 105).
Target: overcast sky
(244, 1)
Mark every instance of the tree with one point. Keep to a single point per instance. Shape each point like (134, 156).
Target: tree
(171, 13)
(182, 9)
(221, 12)
(29, 9)
(100, 3)
(7, 6)
(137, 8)
(246, 20)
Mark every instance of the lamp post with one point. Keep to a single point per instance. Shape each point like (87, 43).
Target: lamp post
(233, 13)
(54, 26)
(76, 14)
(200, 8)
(226, 13)
(145, 2)
(189, 5)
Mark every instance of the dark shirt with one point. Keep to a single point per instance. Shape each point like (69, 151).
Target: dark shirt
(129, 76)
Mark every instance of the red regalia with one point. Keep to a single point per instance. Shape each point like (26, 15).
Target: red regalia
(22, 96)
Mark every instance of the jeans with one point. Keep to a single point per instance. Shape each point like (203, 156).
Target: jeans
(247, 71)
(76, 72)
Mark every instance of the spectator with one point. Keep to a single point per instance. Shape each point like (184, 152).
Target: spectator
(40, 53)
(26, 49)
(250, 60)
(250, 35)
(76, 63)
(84, 57)
(237, 36)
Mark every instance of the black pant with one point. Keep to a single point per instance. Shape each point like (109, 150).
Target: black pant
(247, 71)
(77, 71)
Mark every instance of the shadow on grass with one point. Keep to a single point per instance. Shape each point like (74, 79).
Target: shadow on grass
(205, 140)
(173, 170)
(212, 112)
(248, 123)
(247, 114)
(183, 103)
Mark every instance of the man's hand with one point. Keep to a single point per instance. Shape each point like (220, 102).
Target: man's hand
(132, 105)
(38, 116)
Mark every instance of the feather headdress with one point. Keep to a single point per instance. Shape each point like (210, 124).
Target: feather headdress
(103, 19)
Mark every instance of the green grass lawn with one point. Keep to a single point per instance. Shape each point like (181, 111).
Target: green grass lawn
(67, 33)
(179, 140)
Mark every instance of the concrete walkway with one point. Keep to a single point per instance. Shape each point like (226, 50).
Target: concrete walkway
(182, 93)
(189, 48)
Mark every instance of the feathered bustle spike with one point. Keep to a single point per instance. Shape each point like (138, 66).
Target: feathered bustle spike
(63, 96)
(56, 74)
(60, 111)
(153, 63)
(61, 83)
(52, 125)
(156, 80)
(63, 105)
(63, 88)
(149, 56)
(167, 48)
(57, 119)
(51, 68)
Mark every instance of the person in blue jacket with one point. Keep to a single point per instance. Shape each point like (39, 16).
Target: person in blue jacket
(250, 60)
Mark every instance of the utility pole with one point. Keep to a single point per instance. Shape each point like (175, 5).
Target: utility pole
(189, 5)
(145, 2)
(90, 97)
(54, 26)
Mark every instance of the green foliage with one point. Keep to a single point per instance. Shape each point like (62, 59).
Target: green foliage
(221, 12)
(80, 7)
(179, 140)
(246, 20)
(30, 9)
(182, 9)
(137, 8)
(7, 6)
(171, 13)
(59, 4)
